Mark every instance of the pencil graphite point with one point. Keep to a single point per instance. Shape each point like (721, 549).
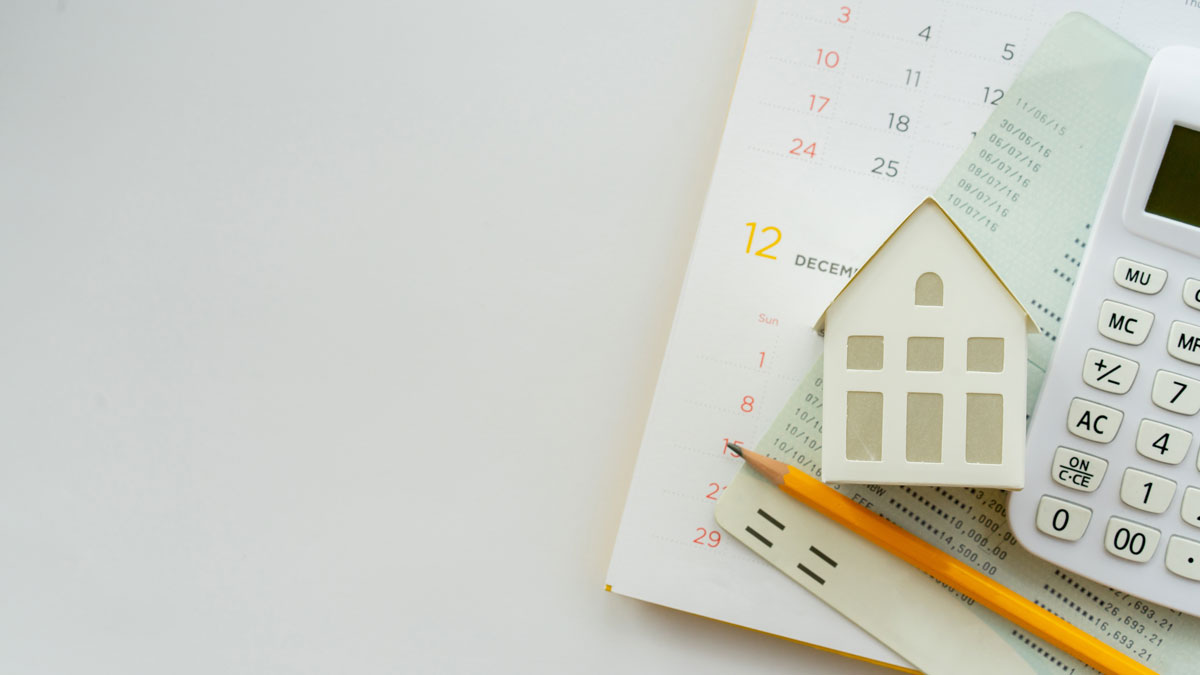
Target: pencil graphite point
(734, 448)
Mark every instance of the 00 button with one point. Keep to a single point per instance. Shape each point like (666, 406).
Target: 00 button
(1129, 540)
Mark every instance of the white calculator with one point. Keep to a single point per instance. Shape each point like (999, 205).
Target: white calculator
(1113, 471)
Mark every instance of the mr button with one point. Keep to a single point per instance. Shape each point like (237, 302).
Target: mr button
(1123, 323)
(1077, 470)
(1184, 342)
(1095, 422)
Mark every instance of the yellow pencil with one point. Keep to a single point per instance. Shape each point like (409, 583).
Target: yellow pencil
(941, 566)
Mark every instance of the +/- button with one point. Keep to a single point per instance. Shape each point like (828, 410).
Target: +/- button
(1108, 372)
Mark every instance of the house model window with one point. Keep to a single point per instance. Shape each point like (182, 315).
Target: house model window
(925, 365)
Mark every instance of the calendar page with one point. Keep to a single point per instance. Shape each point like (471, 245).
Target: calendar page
(845, 116)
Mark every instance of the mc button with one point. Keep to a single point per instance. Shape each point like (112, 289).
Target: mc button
(1123, 323)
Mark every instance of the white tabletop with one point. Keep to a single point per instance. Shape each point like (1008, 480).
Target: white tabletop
(330, 331)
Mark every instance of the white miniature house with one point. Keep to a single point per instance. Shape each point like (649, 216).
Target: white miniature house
(924, 380)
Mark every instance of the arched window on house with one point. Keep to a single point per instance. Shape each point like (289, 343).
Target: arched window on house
(929, 290)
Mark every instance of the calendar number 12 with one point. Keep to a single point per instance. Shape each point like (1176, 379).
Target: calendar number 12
(762, 252)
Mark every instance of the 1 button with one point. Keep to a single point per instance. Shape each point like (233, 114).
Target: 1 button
(1190, 509)
(1138, 277)
(1191, 293)
(1124, 323)
(1077, 470)
(1108, 372)
(1162, 442)
(1183, 557)
(1129, 540)
(1146, 491)
(1062, 519)
(1184, 342)
(1176, 393)
(1095, 422)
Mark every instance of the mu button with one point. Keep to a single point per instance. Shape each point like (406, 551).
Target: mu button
(1095, 422)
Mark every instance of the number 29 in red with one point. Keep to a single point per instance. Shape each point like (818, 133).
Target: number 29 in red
(711, 539)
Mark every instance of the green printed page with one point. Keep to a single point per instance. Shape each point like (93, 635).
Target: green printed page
(1027, 188)
(1025, 192)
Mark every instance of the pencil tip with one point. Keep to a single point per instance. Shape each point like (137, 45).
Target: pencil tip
(737, 450)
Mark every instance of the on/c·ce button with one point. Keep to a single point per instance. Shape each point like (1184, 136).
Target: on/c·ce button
(1077, 470)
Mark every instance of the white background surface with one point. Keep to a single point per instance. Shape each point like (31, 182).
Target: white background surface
(329, 333)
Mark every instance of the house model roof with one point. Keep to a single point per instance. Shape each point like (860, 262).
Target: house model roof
(1030, 325)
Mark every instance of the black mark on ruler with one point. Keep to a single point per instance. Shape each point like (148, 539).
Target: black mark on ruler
(759, 536)
(830, 561)
(810, 573)
(822, 556)
(771, 520)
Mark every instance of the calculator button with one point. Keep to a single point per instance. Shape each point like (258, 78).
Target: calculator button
(1162, 442)
(1184, 342)
(1095, 422)
(1146, 491)
(1077, 470)
(1176, 393)
(1190, 509)
(1124, 323)
(1108, 372)
(1129, 540)
(1183, 557)
(1138, 277)
(1191, 293)
(1062, 519)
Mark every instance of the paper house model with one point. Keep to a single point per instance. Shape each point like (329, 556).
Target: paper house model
(924, 379)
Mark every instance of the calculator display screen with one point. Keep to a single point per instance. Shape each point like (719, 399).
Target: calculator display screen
(1176, 190)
